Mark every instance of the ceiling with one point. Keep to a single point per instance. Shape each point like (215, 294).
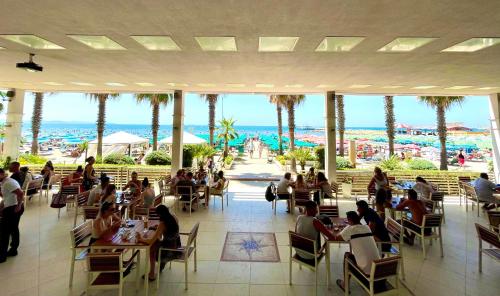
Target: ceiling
(300, 71)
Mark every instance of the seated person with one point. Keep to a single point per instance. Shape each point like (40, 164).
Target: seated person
(166, 236)
(28, 177)
(109, 194)
(484, 191)
(134, 184)
(311, 176)
(148, 195)
(300, 184)
(184, 192)
(418, 210)
(106, 222)
(309, 226)
(201, 176)
(178, 176)
(47, 172)
(95, 193)
(375, 223)
(218, 187)
(324, 185)
(363, 247)
(282, 189)
(423, 188)
(74, 177)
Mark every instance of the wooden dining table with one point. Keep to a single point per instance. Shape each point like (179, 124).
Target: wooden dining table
(128, 241)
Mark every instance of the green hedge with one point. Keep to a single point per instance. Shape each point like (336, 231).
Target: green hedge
(391, 164)
(31, 159)
(158, 158)
(319, 151)
(420, 164)
(343, 163)
(118, 158)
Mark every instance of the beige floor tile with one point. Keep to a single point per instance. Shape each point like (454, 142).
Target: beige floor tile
(231, 289)
(267, 273)
(268, 290)
(233, 273)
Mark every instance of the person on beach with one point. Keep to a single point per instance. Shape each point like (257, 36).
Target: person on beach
(461, 159)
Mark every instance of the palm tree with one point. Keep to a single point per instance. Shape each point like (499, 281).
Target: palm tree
(36, 121)
(156, 100)
(279, 101)
(291, 102)
(302, 155)
(340, 122)
(101, 99)
(3, 95)
(84, 147)
(442, 104)
(211, 99)
(227, 133)
(389, 122)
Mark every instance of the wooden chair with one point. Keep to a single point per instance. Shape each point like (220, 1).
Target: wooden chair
(54, 183)
(166, 185)
(396, 233)
(300, 198)
(70, 191)
(462, 180)
(79, 243)
(223, 194)
(33, 185)
(185, 253)
(494, 220)
(492, 238)
(105, 270)
(90, 212)
(335, 189)
(470, 194)
(430, 221)
(438, 199)
(185, 191)
(306, 246)
(330, 211)
(382, 269)
(152, 214)
(429, 205)
(80, 202)
(140, 211)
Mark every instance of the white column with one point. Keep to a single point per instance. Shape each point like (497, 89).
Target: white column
(14, 123)
(495, 132)
(177, 131)
(330, 134)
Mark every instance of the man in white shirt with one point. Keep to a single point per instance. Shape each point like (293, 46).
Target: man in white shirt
(363, 247)
(282, 189)
(12, 210)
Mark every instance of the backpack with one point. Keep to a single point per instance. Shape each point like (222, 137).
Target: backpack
(270, 192)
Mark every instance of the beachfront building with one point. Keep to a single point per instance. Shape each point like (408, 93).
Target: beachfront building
(275, 47)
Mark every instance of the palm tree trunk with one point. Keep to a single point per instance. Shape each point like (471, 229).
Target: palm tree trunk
(389, 122)
(211, 117)
(101, 120)
(226, 148)
(341, 122)
(291, 132)
(441, 128)
(155, 125)
(280, 130)
(36, 121)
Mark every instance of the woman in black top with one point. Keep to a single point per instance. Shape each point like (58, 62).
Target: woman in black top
(89, 174)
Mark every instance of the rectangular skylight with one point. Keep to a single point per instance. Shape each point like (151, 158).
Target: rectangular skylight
(277, 44)
(206, 84)
(235, 85)
(82, 83)
(473, 44)
(174, 84)
(217, 43)
(264, 85)
(144, 83)
(52, 83)
(294, 85)
(32, 41)
(157, 42)
(424, 87)
(406, 44)
(339, 43)
(360, 85)
(114, 84)
(487, 87)
(97, 42)
(459, 87)
(392, 86)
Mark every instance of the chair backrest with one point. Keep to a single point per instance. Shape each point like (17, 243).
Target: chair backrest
(437, 196)
(330, 211)
(463, 179)
(335, 187)
(487, 235)
(184, 190)
(90, 212)
(395, 229)
(301, 194)
(226, 185)
(386, 267)
(104, 262)
(302, 243)
(152, 214)
(432, 220)
(55, 179)
(193, 234)
(470, 191)
(158, 199)
(80, 233)
(35, 184)
(429, 205)
(391, 179)
(70, 190)
(81, 198)
(494, 219)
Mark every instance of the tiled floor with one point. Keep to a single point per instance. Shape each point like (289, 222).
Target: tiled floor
(42, 266)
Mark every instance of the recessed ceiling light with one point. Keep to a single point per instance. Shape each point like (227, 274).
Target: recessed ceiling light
(276, 44)
(392, 86)
(487, 87)
(206, 84)
(406, 44)
(174, 84)
(32, 41)
(325, 86)
(114, 84)
(157, 42)
(360, 85)
(266, 85)
(217, 43)
(424, 87)
(339, 43)
(459, 87)
(294, 85)
(97, 42)
(52, 83)
(82, 83)
(473, 44)
(235, 85)
(144, 83)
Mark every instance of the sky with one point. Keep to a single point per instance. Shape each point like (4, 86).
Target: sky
(255, 109)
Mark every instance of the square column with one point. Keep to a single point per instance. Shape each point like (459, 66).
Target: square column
(177, 131)
(331, 140)
(495, 132)
(14, 123)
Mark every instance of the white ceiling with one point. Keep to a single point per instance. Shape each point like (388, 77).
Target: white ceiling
(451, 21)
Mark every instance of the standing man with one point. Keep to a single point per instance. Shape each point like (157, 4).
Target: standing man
(13, 209)
(15, 169)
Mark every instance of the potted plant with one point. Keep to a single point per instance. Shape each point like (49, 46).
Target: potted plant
(347, 187)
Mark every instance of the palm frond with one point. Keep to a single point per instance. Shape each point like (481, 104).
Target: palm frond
(445, 102)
